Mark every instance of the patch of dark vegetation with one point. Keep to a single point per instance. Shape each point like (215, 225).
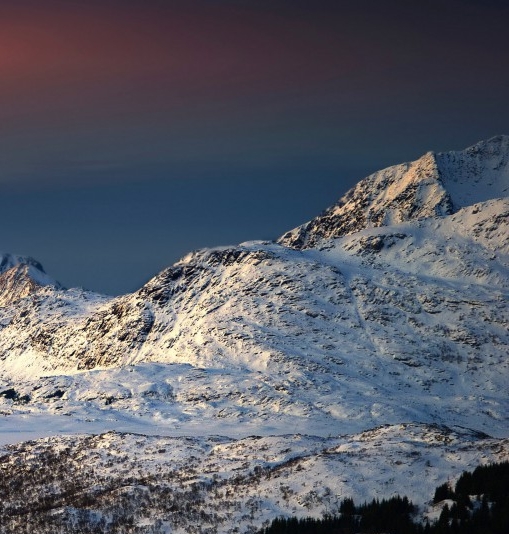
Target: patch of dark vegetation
(12, 394)
(57, 394)
(480, 505)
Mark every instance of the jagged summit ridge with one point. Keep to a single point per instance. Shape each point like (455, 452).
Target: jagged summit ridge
(8, 261)
(437, 184)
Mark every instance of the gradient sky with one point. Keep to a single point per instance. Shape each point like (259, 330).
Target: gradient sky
(134, 131)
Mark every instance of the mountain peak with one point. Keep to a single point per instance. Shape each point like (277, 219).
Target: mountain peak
(436, 184)
(21, 276)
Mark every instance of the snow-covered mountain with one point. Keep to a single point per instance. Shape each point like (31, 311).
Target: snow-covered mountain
(389, 308)
(437, 184)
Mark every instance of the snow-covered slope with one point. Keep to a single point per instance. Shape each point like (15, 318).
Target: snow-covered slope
(390, 308)
(476, 174)
(132, 483)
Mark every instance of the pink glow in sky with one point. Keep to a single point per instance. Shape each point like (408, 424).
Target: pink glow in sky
(259, 111)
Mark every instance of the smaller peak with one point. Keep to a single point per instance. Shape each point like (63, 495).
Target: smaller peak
(225, 256)
(21, 279)
(8, 261)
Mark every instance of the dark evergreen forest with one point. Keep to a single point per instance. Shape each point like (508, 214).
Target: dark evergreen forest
(477, 504)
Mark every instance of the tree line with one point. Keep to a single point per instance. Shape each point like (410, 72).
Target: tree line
(477, 504)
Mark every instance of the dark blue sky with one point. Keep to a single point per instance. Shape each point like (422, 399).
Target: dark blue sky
(134, 131)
